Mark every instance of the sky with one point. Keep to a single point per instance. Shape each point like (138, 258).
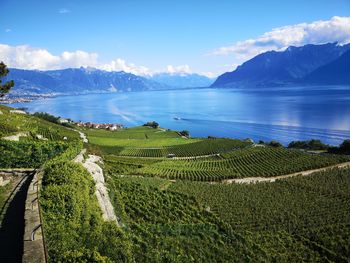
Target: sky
(146, 37)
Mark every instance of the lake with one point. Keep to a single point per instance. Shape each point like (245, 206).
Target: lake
(282, 114)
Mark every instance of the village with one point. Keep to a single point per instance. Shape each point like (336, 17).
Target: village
(105, 126)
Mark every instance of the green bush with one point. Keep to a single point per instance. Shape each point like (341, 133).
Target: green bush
(73, 224)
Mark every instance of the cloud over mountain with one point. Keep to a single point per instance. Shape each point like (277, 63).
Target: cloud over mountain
(121, 65)
(337, 29)
(27, 57)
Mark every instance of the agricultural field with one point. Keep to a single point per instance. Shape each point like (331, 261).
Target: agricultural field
(166, 226)
(311, 211)
(140, 132)
(241, 163)
(169, 212)
(150, 142)
(13, 123)
(297, 219)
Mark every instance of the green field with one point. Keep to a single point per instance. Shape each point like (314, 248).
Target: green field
(149, 142)
(247, 162)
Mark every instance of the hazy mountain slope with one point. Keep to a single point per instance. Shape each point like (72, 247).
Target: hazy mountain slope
(78, 80)
(336, 72)
(271, 68)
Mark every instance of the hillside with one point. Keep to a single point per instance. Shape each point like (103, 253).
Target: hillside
(281, 67)
(175, 198)
(336, 72)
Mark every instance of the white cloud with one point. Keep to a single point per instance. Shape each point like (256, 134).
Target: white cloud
(121, 65)
(337, 29)
(78, 59)
(7, 30)
(64, 11)
(27, 57)
(209, 74)
(182, 69)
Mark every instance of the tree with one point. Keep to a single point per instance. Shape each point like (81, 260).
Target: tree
(344, 148)
(4, 88)
(152, 124)
(185, 133)
(275, 144)
(308, 145)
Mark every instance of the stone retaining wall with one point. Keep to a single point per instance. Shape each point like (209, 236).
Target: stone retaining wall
(34, 244)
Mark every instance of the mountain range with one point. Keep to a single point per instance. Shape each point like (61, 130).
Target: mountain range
(91, 80)
(77, 81)
(309, 64)
(327, 64)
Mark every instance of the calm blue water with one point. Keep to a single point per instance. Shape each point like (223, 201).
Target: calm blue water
(283, 114)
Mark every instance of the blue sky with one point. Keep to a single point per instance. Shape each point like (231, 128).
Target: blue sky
(193, 36)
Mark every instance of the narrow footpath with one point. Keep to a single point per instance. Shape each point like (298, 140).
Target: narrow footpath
(12, 226)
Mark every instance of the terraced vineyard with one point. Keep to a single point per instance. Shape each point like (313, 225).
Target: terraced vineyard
(199, 148)
(12, 123)
(282, 217)
(167, 226)
(298, 219)
(247, 162)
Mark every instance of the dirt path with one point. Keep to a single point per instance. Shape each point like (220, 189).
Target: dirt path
(91, 165)
(253, 180)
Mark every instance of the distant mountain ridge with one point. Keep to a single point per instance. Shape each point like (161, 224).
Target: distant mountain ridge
(91, 80)
(280, 68)
(182, 80)
(77, 81)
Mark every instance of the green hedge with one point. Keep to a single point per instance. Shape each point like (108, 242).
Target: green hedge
(74, 228)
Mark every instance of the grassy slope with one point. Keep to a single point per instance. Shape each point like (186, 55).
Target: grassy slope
(137, 137)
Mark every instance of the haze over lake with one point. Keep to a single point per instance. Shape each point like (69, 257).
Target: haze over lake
(282, 114)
